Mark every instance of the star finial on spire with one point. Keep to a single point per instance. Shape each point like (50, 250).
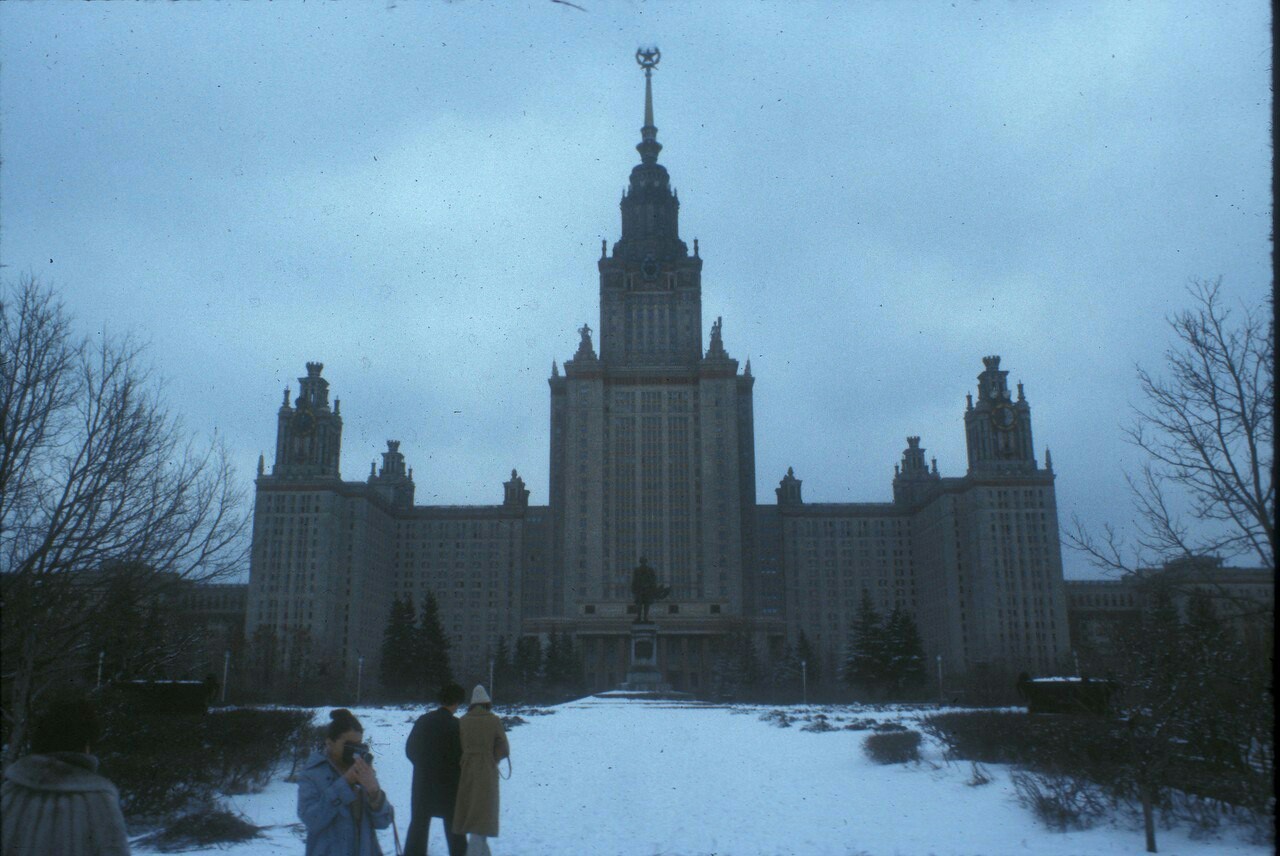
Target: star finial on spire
(649, 146)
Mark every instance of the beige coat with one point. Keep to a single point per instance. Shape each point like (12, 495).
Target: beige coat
(484, 744)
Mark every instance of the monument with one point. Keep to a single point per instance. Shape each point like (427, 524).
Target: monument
(643, 675)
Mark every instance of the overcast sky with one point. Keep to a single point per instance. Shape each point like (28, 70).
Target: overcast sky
(415, 194)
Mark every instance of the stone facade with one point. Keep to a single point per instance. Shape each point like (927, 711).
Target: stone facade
(976, 559)
(652, 454)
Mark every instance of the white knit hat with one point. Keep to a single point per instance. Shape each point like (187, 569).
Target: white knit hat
(479, 696)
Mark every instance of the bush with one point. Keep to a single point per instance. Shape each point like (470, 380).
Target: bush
(819, 724)
(861, 725)
(776, 717)
(164, 764)
(893, 747)
(1187, 785)
(245, 746)
(990, 737)
(1061, 801)
(980, 775)
(207, 826)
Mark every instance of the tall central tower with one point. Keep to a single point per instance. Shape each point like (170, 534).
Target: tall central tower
(652, 445)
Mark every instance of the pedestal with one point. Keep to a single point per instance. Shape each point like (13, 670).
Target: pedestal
(643, 674)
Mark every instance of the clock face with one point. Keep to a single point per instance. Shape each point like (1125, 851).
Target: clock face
(1004, 417)
(304, 422)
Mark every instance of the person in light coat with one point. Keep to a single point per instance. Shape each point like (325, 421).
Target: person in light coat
(484, 744)
(54, 800)
(339, 799)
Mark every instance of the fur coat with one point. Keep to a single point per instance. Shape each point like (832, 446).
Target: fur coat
(57, 803)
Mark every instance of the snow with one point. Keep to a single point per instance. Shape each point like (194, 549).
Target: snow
(605, 775)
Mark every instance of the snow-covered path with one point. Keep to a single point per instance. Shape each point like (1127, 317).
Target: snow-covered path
(640, 778)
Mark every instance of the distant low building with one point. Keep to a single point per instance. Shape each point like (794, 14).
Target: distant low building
(1244, 598)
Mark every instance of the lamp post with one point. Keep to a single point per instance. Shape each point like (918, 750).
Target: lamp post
(226, 667)
(491, 695)
(359, 675)
(804, 680)
(940, 695)
(101, 656)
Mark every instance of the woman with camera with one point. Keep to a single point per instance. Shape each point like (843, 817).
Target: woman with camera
(339, 799)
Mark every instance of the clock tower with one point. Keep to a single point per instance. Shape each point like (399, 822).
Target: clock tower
(998, 427)
(308, 433)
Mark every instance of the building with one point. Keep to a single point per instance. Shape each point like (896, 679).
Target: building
(1100, 610)
(653, 456)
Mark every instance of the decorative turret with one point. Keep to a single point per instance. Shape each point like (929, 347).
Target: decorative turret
(393, 482)
(514, 494)
(308, 434)
(788, 490)
(912, 479)
(997, 428)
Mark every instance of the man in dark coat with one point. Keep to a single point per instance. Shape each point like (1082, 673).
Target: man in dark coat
(436, 752)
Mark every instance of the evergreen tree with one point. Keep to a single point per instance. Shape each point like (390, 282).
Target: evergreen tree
(432, 667)
(905, 669)
(503, 670)
(563, 670)
(865, 663)
(736, 671)
(784, 675)
(398, 650)
(552, 662)
(527, 665)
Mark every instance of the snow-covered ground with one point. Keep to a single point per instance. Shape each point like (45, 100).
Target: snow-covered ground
(640, 778)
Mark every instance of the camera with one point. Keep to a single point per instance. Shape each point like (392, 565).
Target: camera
(351, 750)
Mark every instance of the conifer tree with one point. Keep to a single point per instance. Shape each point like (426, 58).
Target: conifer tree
(865, 663)
(432, 667)
(398, 649)
(905, 668)
(527, 665)
(503, 670)
(563, 670)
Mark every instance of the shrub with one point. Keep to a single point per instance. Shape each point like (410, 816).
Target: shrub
(210, 825)
(819, 724)
(246, 745)
(164, 764)
(980, 776)
(893, 747)
(991, 737)
(861, 725)
(776, 717)
(889, 726)
(1061, 801)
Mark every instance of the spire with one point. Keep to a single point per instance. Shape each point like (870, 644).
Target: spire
(649, 146)
(650, 210)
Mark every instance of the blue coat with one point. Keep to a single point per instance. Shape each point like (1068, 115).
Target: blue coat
(324, 807)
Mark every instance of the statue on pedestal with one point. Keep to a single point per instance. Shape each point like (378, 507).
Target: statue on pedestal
(645, 589)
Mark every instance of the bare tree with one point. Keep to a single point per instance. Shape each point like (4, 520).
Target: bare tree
(1206, 426)
(94, 471)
